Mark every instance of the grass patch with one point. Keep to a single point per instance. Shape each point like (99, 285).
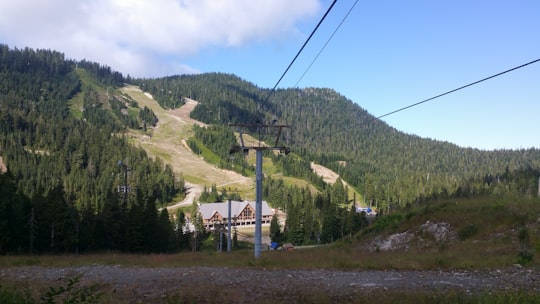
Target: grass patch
(493, 231)
(298, 182)
(76, 103)
(207, 154)
(195, 179)
(156, 152)
(235, 294)
(68, 290)
(12, 293)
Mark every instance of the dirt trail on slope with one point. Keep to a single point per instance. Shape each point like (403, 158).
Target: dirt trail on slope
(168, 141)
(330, 177)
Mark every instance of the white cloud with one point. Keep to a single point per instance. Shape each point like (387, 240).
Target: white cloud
(133, 35)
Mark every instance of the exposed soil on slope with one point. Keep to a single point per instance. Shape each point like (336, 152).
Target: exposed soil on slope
(2, 165)
(328, 175)
(184, 111)
(168, 141)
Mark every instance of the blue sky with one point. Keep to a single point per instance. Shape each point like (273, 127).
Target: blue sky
(385, 56)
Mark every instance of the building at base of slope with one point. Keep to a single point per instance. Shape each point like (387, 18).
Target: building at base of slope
(242, 213)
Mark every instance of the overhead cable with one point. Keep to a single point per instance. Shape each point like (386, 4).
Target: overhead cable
(435, 97)
(446, 93)
(300, 51)
(327, 42)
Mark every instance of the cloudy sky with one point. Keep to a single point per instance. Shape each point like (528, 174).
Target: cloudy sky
(385, 55)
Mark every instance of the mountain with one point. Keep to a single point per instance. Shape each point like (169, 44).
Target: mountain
(387, 166)
(73, 180)
(87, 155)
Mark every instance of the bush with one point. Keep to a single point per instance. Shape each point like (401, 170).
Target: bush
(525, 252)
(525, 257)
(72, 293)
(14, 296)
(385, 222)
(467, 231)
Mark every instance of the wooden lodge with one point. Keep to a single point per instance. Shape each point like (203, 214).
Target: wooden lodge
(242, 213)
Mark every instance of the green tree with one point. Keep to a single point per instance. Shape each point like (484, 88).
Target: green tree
(198, 234)
(275, 229)
(166, 239)
(354, 221)
(182, 235)
(330, 226)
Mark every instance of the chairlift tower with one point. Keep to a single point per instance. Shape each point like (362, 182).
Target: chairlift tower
(259, 148)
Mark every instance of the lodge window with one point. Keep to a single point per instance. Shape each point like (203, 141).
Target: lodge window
(247, 213)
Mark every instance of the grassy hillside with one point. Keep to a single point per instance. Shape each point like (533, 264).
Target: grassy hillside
(169, 142)
(488, 231)
(87, 81)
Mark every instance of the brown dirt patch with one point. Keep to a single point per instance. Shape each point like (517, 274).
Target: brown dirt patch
(168, 141)
(3, 167)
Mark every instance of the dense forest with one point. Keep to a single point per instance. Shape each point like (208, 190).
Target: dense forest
(390, 168)
(75, 184)
(71, 174)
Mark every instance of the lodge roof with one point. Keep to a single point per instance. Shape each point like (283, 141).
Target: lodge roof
(208, 210)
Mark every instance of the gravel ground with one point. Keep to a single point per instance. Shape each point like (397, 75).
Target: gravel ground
(247, 285)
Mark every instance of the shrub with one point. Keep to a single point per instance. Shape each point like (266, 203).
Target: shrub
(386, 222)
(72, 293)
(525, 252)
(467, 231)
(14, 296)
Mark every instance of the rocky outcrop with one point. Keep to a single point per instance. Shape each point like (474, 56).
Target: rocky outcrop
(427, 234)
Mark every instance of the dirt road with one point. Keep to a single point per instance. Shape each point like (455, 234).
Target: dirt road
(250, 285)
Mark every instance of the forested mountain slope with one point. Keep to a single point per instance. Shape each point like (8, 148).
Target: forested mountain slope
(63, 133)
(169, 141)
(44, 145)
(73, 181)
(388, 166)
